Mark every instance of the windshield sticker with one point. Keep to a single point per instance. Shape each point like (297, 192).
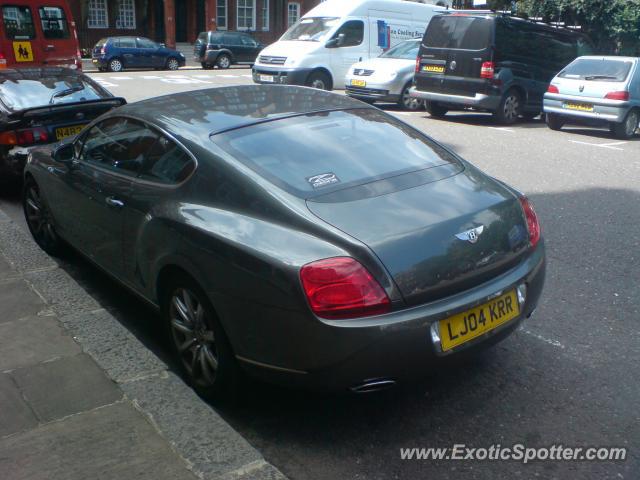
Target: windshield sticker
(323, 180)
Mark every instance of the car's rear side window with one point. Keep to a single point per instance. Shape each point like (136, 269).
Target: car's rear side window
(18, 22)
(318, 153)
(54, 22)
(459, 32)
(598, 69)
(166, 162)
(125, 42)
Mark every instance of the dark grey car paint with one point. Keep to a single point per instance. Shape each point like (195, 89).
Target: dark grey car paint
(244, 240)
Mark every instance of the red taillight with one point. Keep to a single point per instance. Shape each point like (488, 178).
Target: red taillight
(487, 70)
(623, 95)
(3, 61)
(341, 287)
(417, 64)
(8, 138)
(533, 225)
(31, 136)
(553, 89)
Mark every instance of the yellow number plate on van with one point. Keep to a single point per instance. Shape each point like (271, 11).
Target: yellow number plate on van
(433, 68)
(64, 132)
(468, 325)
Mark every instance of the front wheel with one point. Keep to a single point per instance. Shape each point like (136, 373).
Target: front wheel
(173, 64)
(223, 61)
(628, 127)
(319, 80)
(198, 341)
(39, 219)
(115, 65)
(408, 102)
(509, 108)
(554, 121)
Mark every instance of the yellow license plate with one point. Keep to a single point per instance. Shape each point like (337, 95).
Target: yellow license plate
(468, 325)
(64, 132)
(582, 107)
(433, 68)
(358, 83)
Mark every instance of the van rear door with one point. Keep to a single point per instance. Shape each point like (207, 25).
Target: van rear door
(454, 47)
(19, 38)
(58, 43)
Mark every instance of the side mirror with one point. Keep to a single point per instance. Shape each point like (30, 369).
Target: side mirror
(63, 153)
(336, 42)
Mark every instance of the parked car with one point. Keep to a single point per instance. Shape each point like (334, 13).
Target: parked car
(117, 53)
(44, 105)
(387, 78)
(493, 63)
(267, 222)
(223, 49)
(318, 50)
(604, 89)
(37, 32)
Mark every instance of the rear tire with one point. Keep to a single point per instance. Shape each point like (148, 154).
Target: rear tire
(198, 341)
(626, 129)
(115, 65)
(408, 102)
(206, 66)
(436, 110)
(223, 61)
(319, 80)
(554, 121)
(39, 219)
(510, 108)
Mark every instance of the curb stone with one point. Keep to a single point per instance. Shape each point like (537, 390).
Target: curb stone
(211, 448)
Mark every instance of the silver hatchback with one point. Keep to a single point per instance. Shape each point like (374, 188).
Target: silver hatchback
(595, 88)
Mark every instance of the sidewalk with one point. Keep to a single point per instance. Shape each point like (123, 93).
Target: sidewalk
(81, 397)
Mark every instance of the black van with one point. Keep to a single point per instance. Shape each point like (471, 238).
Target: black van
(492, 62)
(222, 49)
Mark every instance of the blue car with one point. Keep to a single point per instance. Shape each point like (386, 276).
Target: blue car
(117, 53)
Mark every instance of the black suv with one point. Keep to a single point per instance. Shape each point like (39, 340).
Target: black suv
(222, 49)
(492, 62)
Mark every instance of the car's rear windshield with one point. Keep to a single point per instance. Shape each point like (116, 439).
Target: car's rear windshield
(598, 69)
(459, 32)
(318, 153)
(18, 94)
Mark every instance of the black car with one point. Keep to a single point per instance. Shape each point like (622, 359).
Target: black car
(117, 53)
(223, 49)
(44, 105)
(492, 62)
(301, 236)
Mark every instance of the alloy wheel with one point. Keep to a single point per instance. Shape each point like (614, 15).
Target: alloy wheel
(193, 337)
(115, 65)
(38, 218)
(631, 123)
(319, 84)
(409, 102)
(511, 108)
(224, 61)
(173, 64)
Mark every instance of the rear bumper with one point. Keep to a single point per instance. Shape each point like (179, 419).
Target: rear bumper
(606, 110)
(479, 100)
(399, 347)
(99, 61)
(283, 76)
(12, 162)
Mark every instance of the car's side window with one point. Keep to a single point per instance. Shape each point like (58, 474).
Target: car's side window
(118, 144)
(146, 43)
(126, 42)
(231, 39)
(353, 31)
(166, 162)
(248, 41)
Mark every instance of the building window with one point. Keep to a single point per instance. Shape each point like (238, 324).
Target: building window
(246, 15)
(265, 15)
(221, 14)
(293, 13)
(97, 17)
(126, 14)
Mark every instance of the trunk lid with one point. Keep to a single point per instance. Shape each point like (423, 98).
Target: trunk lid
(417, 233)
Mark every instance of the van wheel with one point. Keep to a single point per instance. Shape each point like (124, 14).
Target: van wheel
(407, 101)
(223, 61)
(173, 64)
(115, 65)
(198, 341)
(436, 110)
(628, 127)
(319, 80)
(509, 108)
(554, 122)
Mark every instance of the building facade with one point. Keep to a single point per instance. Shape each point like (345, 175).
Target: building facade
(172, 21)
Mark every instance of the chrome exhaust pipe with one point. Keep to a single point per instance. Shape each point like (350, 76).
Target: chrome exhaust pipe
(370, 386)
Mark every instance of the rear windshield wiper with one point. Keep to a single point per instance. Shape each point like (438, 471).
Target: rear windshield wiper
(67, 92)
(601, 77)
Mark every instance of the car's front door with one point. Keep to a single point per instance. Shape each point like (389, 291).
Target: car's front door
(248, 50)
(127, 51)
(351, 48)
(231, 41)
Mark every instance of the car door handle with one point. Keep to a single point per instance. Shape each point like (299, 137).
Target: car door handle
(114, 202)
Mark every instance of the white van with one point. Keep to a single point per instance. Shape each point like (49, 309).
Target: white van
(319, 49)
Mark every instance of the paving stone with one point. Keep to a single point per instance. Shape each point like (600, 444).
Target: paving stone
(20, 249)
(194, 429)
(5, 269)
(33, 340)
(18, 300)
(15, 414)
(65, 386)
(62, 292)
(113, 442)
(4, 217)
(112, 346)
(255, 471)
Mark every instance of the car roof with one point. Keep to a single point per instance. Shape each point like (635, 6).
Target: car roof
(199, 113)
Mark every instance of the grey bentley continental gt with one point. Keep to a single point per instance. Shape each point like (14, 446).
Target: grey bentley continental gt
(297, 235)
